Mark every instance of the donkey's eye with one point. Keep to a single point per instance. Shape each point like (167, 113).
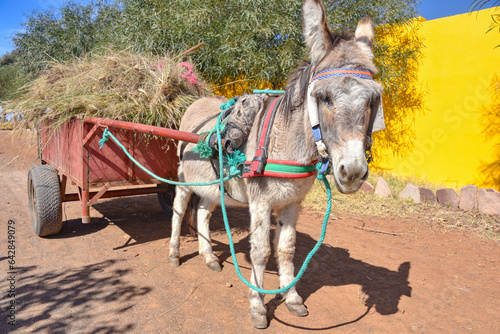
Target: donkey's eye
(326, 99)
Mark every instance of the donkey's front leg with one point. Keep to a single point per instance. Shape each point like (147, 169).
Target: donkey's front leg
(182, 195)
(205, 247)
(260, 213)
(285, 251)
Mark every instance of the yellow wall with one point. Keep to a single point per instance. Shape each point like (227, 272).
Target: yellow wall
(459, 74)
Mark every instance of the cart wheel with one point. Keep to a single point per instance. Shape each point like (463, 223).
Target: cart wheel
(166, 199)
(44, 198)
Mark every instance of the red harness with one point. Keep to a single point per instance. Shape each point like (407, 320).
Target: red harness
(261, 166)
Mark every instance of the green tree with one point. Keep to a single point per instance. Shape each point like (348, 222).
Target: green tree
(478, 4)
(64, 33)
(11, 75)
(255, 41)
(261, 42)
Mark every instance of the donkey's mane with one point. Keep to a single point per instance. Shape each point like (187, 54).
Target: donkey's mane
(296, 86)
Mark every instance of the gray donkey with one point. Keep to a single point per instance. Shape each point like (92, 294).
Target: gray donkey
(344, 106)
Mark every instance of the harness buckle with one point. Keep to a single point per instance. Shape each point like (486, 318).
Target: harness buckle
(259, 161)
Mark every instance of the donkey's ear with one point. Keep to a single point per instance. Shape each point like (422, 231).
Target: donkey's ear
(365, 35)
(315, 30)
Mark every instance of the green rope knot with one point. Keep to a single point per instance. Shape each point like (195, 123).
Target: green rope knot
(228, 104)
(233, 161)
(203, 149)
(105, 138)
(320, 176)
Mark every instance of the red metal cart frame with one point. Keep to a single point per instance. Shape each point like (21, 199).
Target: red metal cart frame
(72, 150)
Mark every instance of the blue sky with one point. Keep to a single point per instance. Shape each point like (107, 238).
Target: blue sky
(12, 14)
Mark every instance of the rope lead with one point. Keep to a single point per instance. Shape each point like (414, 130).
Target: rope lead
(233, 171)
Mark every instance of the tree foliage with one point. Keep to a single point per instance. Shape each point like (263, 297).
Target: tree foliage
(252, 39)
(11, 75)
(65, 33)
(478, 4)
(256, 42)
(255, 39)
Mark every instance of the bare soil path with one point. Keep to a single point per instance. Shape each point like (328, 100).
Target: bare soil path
(112, 276)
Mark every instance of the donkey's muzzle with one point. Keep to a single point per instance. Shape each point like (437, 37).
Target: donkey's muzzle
(352, 169)
(348, 174)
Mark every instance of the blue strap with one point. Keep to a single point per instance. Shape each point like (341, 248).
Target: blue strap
(316, 130)
(324, 166)
(342, 72)
(325, 163)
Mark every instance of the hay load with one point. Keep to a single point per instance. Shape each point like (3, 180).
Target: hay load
(124, 86)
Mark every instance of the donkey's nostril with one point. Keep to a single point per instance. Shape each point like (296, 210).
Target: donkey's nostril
(343, 172)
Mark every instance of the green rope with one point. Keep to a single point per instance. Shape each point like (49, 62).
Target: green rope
(321, 177)
(105, 138)
(268, 91)
(228, 104)
(203, 147)
(233, 161)
(107, 134)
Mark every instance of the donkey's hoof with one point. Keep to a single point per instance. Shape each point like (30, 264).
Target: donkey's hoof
(259, 321)
(297, 310)
(215, 266)
(174, 261)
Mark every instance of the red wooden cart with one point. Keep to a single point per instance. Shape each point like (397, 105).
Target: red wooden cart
(71, 152)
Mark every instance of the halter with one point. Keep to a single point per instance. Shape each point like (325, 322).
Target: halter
(312, 107)
(342, 72)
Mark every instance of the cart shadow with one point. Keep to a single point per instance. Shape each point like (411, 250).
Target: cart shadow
(143, 220)
(62, 301)
(140, 217)
(74, 228)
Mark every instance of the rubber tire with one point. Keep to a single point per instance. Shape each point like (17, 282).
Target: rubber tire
(44, 199)
(166, 200)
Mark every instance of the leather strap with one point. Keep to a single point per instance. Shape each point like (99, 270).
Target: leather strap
(259, 161)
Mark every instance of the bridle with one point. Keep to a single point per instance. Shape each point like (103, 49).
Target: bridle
(312, 107)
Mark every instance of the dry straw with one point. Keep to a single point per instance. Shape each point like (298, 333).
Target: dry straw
(122, 85)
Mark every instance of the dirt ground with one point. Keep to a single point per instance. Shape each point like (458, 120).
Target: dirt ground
(112, 276)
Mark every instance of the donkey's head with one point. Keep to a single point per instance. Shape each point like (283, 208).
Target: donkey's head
(342, 97)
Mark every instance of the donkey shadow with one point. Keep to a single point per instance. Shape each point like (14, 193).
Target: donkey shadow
(381, 288)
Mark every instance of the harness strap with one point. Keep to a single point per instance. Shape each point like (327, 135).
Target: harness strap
(259, 160)
(282, 168)
(261, 166)
(369, 132)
